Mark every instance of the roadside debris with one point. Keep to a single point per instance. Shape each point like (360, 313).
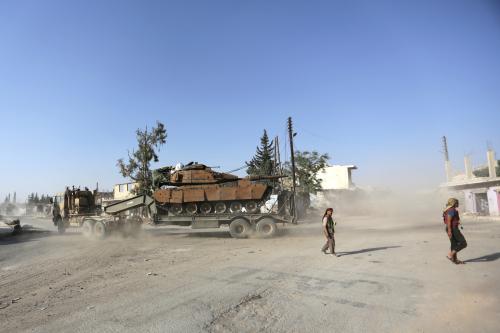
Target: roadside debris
(10, 226)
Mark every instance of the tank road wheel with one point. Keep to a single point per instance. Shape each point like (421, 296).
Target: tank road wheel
(99, 230)
(235, 207)
(88, 228)
(240, 228)
(205, 208)
(251, 207)
(176, 209)
(191, 208)
(266, 228)
(220, 207)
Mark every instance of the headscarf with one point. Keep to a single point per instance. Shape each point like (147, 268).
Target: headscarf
(451, 203)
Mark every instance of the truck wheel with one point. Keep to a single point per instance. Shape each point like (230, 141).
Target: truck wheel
(87, 228)
(99, 230)
(239, 228)
(266, 228)
(61, 228)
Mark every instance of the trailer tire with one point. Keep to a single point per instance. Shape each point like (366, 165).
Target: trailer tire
(240, 228)
(100, 230)
(266, 228)
(88, 228)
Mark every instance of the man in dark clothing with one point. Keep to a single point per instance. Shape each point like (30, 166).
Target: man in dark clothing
(329, 232)
(452, 220)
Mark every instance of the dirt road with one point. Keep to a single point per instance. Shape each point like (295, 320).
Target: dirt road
(392, 276)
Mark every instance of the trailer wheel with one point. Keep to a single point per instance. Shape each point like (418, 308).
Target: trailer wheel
(87, 228)
(266, 228)
(99, 230)
(239, 228)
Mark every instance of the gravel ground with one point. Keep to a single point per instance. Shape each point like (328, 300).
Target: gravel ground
(391, 276)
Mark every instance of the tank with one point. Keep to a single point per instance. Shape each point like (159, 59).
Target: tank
(197, 189)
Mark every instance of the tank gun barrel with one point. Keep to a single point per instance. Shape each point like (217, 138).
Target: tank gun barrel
(265, 177)
(224, 180)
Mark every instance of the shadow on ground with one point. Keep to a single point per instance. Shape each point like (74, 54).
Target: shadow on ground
(486, 258)
(27, 235)
(371, 249)
(188, 232)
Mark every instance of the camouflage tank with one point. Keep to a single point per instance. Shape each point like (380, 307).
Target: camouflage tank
(197, 189)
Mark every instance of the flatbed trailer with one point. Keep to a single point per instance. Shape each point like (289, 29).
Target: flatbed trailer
(241, 224)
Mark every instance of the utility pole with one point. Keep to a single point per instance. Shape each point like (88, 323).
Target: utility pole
(292, 157)
(277, 158)
(447, 165)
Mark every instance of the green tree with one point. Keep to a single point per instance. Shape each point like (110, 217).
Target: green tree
(307, 167)
(262, 163)
(138, 166)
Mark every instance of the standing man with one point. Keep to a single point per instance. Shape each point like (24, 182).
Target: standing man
(329, 231)
(452, 220)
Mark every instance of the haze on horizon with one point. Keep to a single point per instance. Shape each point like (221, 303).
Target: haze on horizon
(375, 84)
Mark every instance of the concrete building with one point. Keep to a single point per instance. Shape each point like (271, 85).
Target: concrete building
(337, 177)
(480, 187)
(123, 191)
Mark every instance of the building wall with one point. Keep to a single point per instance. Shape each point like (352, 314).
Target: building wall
(336, 177)
(493, 201)
(123, 191)
(470, 201)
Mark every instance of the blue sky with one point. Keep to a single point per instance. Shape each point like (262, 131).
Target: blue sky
(372, 83)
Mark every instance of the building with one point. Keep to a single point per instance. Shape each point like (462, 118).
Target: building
(337, 177)
(123, 191)
(480, 187)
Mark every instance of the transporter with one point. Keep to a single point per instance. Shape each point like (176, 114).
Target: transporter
(195, 195)
(192, 195)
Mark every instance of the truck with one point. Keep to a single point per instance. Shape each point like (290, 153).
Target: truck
(192, 195)
(79, 208)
